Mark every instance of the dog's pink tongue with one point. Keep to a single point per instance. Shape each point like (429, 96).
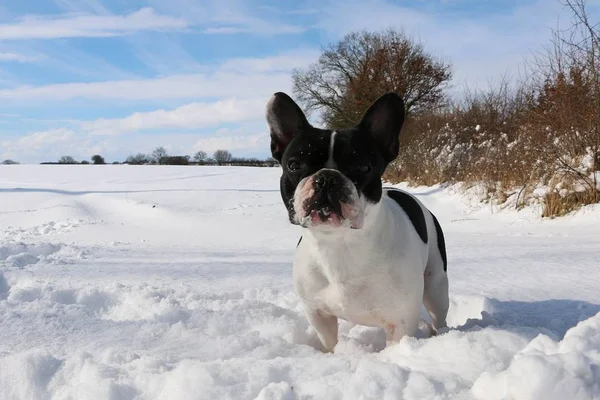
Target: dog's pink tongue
(332, 219)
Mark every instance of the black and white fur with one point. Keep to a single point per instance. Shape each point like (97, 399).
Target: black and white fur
(368, 255)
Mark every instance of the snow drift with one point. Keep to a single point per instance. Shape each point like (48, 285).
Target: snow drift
(122, 282)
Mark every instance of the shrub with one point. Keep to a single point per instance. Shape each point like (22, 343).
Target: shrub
(518, 137)
(138, 159)
(175, 160)
(98, 159)
(67, 160)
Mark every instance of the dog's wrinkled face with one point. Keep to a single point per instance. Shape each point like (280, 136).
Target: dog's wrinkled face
(329, 177)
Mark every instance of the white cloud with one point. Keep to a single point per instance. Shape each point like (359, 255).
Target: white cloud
(16, 57)
(89, 25)
(37, 148)
(235, 93)
(482, 46)
(260, 28)
(232, 143)
(40, 139)
(42, 146)
(284, 62)
(244, 77)
(234, 124)
(193, 115)
(225, 17)
(82, 146)
(171, 87)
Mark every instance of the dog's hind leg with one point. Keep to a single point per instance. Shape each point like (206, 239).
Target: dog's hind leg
(435, 294)
(326, 327)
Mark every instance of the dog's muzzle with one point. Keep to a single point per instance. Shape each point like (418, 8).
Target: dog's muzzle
(327, 198)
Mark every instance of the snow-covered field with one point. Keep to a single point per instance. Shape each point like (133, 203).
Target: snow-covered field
(123, 282)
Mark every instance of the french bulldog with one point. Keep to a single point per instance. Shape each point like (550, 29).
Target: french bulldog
(368, 254)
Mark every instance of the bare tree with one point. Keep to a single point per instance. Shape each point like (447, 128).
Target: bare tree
(159, 155)
(222, 156)
(351, 74)
(9, 162)
(200, 157)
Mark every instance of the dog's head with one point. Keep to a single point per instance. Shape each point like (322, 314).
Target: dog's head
(331, 177)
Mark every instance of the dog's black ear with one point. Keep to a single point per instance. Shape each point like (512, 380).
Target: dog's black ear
(383, 121)
(285, 121)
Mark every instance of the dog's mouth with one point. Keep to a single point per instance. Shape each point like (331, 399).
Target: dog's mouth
(325, 216)
(328, 216)
(327, 200)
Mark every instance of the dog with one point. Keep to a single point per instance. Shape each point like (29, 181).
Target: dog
(368, 254)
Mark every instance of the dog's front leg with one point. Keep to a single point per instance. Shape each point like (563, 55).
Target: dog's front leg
(326, 326)
(395, 331)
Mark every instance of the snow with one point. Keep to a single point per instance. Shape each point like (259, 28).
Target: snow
(124, 282)
(541, 191)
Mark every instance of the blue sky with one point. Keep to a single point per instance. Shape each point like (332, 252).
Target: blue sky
(82, 77)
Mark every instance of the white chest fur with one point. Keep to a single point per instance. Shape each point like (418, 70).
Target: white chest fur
(370, 276)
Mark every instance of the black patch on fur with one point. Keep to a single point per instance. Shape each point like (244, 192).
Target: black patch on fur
(353, 147)
(361, 152)
(413, 210)
(440, 240)
(300, 241)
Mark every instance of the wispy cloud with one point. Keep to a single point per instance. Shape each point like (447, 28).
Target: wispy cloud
(482, 46)
(51, 145)
(232, 143)
(173, 87)
(257, 27)
(242, 78)
(41, 139)
(89, 25)
(179, 73)
(234, 95)
(16, 57)
(202, 120)
(189, 116)
(284, 62)
(228, 17)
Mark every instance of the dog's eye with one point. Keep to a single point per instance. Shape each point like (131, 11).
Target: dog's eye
(294, 165)
(364, 168)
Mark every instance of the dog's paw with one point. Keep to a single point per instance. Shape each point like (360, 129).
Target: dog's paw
(442, 330)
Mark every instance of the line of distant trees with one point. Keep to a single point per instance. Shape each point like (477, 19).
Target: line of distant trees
(160, 156)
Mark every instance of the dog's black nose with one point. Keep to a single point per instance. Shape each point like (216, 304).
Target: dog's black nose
(326, 179)
(319, 182)
(330, 192)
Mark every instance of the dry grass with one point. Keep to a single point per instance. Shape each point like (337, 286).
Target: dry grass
(500, 140)
(556, 205)
(519, 136)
